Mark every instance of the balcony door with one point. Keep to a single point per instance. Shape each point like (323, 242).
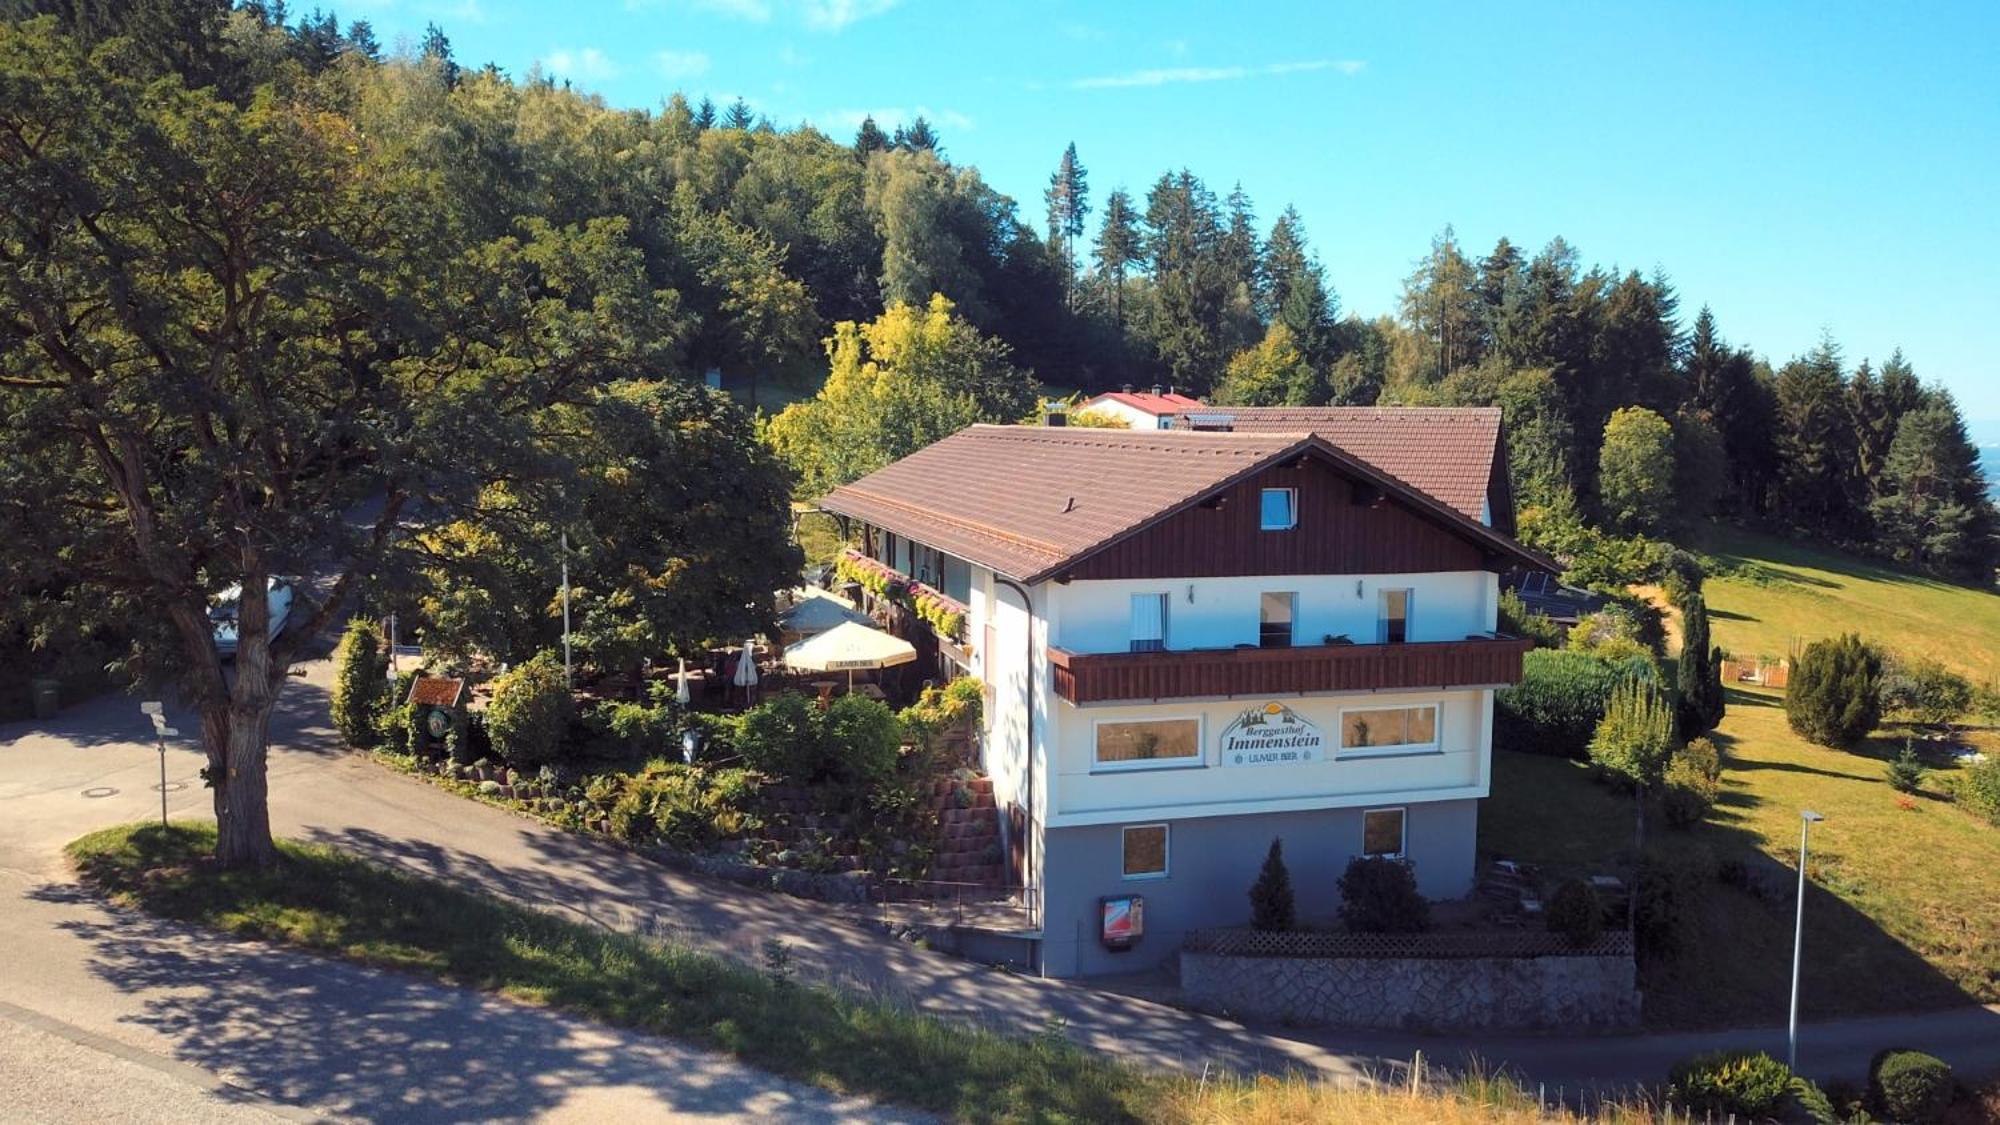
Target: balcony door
(1149, 622)
(1393, 623)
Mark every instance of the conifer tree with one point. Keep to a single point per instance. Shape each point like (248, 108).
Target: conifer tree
(704, 114)
(869, 138)
(1700, 705)
(1816, 444)
(437, 49)
(739, 115)
(1118, 249)
(1272, 908)
(919, 136)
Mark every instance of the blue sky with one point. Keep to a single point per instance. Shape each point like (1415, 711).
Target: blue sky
(1799, 167)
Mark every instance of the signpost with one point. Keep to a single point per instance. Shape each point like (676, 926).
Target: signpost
(153, 710)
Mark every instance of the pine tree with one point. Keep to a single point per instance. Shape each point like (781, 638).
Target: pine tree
(1934, 510)
(1068, 202)
(1499, 289)
(1272, 908)
(1296, 293)
(869, 138)
(919, 136)
(361, 40)
(436, 49)
(1118, 249)
(1442, 308)
(1816, 444)
(739, 115)
(1835, 694)
(1192, 280)
(1699, 708)
(704, 114)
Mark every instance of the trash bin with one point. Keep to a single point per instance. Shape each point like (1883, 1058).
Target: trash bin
(48, 697)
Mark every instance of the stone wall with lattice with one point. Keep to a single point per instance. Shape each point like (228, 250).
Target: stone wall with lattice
(1416, 982)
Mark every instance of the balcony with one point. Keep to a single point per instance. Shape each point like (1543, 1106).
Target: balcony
(1106, 677)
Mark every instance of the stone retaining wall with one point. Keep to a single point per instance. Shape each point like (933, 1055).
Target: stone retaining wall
(1570, 993)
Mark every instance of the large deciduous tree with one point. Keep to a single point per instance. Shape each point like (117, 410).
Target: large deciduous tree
(1636, 470)
(229, 326)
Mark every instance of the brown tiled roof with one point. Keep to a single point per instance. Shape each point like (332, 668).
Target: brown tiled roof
(1446, 451)
(1030, 500)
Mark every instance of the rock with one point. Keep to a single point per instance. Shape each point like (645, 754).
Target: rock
(489, 787)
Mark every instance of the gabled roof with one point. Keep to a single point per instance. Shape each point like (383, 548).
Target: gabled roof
(1161, 404)
(1030, 501)
(1447, 451)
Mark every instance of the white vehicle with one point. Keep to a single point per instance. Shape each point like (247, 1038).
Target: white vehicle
(224, 614)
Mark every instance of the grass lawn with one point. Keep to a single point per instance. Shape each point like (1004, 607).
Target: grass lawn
(1778, 592)
(1903, 908)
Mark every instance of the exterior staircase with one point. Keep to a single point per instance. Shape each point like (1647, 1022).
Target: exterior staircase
(968, 844)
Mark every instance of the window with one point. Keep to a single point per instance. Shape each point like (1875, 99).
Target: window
(1274, 629)
(1382, 833)
(1145, 852)
(1389, 728)
(1149, 622)
(1395, 619)
(1149, 742)
(1280, 508)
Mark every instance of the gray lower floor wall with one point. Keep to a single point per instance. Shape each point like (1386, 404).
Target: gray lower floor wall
(1211, 862)
(1412, 994)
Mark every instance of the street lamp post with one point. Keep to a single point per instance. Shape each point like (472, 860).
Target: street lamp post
(1807, 818)
(567, 679)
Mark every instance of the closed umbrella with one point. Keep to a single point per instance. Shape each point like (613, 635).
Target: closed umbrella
(746, 668)
(681, 694)
(849, 648)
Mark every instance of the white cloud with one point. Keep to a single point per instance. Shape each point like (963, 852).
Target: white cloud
(680, 64)
(1174, 75)
(586, 62)
(833, 15)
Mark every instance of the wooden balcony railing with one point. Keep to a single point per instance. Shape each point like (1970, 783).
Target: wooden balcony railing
(1103, 677)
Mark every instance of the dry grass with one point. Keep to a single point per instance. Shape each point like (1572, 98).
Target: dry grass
(1476, 1099)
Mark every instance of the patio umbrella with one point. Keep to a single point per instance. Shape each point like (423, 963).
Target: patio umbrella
(681, 694)
(848, 648)
(746, 668)
(816, 611)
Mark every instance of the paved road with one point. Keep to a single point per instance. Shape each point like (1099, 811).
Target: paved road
(321, 793)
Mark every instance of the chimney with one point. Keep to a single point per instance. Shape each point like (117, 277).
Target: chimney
(1055, 412)
(1157, 390)
(1127, 388)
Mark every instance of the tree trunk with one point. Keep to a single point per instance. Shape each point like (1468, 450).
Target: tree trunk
(242, 794)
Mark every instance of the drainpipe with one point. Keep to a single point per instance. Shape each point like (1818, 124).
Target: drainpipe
(1031, 890)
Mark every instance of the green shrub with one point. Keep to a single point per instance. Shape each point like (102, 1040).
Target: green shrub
(1516, 619)
(1575, 913)
(530, 712)
(1926, 690)
(1835, 697)
(780, 737)
(858, 741)
(1693, 782)
(1635, 740)
(360, 684)
(666, 804)
(1271, 904)
(1379, 896)
(642, 731)
(1978, 788)
(1748, 1084)
(1806, 1104)
(1906, 772)
(1909, 1086)
(1556, 706)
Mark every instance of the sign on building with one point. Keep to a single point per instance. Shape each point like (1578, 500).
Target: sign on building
(1271, 735)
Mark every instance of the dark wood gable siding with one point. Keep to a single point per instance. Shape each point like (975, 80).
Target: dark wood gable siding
(1335, 535)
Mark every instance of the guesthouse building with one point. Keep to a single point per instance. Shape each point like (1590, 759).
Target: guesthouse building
(1196, 640)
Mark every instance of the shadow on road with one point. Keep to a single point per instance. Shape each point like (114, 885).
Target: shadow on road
(387, 1046)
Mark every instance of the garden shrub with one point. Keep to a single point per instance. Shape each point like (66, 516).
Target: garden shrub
(392, 722)
(1699, 705)
(530, 712)
(1556, 706)
(858, 740)
(1379, 896)
(1516, 619)
(1717, 1084)
(1835, 697)
(360, 684)
(1635, 740)
(1978, 788)
(1666, 891)
(1271, 904)
(1575, 913)
(1806, 1104)
(779, 737)
(1926, 690)
(642, 731)
(1909, 1086)
(1693, 782)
